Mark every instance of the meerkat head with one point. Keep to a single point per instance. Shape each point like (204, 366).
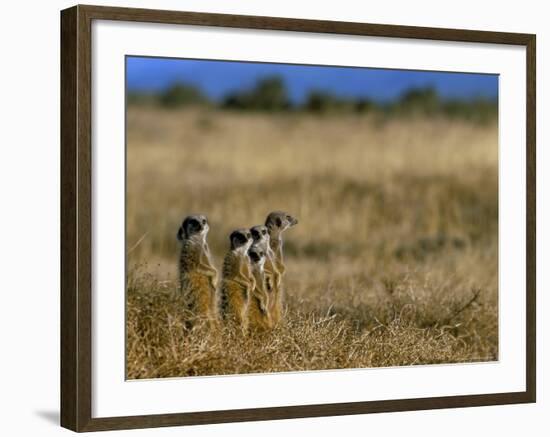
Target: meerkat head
(193, 227)
(260, 234)
(279, 221)
(241, 240)
(257, 256)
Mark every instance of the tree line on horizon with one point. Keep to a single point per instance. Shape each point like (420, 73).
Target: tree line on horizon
(270, 94)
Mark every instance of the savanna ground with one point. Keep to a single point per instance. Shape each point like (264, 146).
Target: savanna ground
(394, 261)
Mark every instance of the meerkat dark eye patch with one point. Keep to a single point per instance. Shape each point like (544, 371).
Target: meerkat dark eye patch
(278, 222)
(237, 239)
(255, 234)
(240, 238)
(193, 226)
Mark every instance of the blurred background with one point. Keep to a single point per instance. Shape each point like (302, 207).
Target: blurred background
(235, 140)
(393, 176)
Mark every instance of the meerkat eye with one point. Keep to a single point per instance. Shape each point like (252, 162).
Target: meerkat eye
(279, 222)
(264, 232)
(238, 239)
(203, 221)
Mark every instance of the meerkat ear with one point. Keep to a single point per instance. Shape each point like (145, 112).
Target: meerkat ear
(181, 233)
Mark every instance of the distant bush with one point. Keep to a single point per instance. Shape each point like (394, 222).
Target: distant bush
(323, 102)
(419, 100)
(479, 110)
(364, 105)
(269, 94)
(181, 94)
(426, 101)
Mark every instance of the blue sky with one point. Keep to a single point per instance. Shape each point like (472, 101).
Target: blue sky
(217, 78)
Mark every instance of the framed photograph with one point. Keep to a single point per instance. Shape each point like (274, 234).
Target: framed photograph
(268, 218)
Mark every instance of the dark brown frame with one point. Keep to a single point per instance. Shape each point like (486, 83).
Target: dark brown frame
(76, 225)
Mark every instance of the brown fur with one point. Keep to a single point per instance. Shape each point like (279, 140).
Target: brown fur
(259, 315)
(198, 279)
(277, 222)
(276, 267)
(236, 288)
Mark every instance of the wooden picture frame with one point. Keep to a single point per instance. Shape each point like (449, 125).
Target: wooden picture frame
(76, 218)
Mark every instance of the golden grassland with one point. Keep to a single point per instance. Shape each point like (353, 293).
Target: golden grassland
(394, 261)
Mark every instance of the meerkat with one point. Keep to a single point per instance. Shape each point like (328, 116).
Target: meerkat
(260, 234)
(277, 222)
(237, 282)
(259, 317)
(197, 275)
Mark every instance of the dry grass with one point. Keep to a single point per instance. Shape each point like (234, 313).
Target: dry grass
(394, 261)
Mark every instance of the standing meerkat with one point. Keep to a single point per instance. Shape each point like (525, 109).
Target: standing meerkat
(198, 276)
(277, 222)
(259, 317)
(260, 234)
(237, 280)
